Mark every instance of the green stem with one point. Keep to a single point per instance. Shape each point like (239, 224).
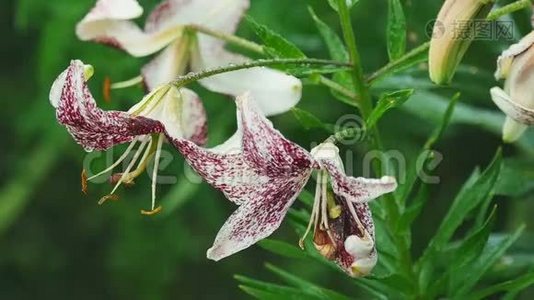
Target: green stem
(192, 77)
(337, 87)
(358, 80)
(392, 65)
(508, 9)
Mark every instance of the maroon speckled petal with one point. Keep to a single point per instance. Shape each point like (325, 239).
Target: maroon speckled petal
(357, 189)
(258, 169)
(90, 126)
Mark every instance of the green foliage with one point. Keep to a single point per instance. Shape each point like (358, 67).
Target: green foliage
(448, 240)
(387, 102)
(396, 30)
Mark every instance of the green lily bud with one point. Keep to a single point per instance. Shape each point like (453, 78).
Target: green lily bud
(452, 35)
(516, 66)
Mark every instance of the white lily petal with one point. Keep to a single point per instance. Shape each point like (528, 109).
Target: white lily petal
(274, 92)
(167, 65)
(109, 23)
(504, 62)
(179, 110)
(511, 108)
(222, 15)
(512, 130)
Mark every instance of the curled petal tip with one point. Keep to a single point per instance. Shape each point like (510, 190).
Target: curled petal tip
(512, 130)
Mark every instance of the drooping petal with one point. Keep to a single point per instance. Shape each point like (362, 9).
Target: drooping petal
(256, 219)
(90, 126)
(512, 108)
(354, 189)
(221, 15)
(274, 91)
(257, 169)
(504, 62)
(180, 111)
(109, 23)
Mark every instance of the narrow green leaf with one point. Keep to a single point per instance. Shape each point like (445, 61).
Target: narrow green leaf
(306, 285)
(307, 119)
(387, 102)
(511, 286)
(467, 199)
(493, 251)
(333, 42)
(282, 248)
(266, 290)
(275, 45)
(338, 52)
(396, 30)
(517, 178)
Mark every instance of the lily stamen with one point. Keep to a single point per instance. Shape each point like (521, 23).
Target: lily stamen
(116, 163)
(126, 83)
(130, 166)
(155, 172)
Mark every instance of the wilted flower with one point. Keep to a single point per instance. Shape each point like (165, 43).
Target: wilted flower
(262, 172)
(516, 66)
(165, 113)
(109, 22)
(452, 34)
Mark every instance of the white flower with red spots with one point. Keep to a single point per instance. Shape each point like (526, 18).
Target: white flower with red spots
(263, 173)
(516, 100)
(166, 113)
(109, 22)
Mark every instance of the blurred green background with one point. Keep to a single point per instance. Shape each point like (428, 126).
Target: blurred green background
(56, 243)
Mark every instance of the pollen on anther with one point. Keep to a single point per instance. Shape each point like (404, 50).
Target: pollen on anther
(84, 181)
(106, 89)
(108, 197)
(151, 212)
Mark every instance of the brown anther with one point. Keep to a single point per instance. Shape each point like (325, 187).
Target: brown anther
(151, 212)
(322, 243)
(108, 197)
(84, 181)
(106, 89)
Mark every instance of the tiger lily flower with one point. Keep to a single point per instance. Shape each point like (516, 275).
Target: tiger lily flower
(263, 173)
(110, 22)
(516, 100)
(164, 114)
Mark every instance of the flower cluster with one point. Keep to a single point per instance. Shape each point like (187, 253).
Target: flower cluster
(257, 168)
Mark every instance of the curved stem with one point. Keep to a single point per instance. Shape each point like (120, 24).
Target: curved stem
(192, 77)
(357, 71)
(510, 8)
(392, 65)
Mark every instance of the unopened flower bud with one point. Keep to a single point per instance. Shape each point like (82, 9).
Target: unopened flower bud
(516, 66)
(358, 247)
(452, 34)
(363, 266)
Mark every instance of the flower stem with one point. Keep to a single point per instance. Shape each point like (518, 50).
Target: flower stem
(357, 72)
(510, 8)
(392, 65)
(192, 77)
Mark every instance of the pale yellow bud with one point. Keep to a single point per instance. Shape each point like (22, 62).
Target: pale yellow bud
(452, 36)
